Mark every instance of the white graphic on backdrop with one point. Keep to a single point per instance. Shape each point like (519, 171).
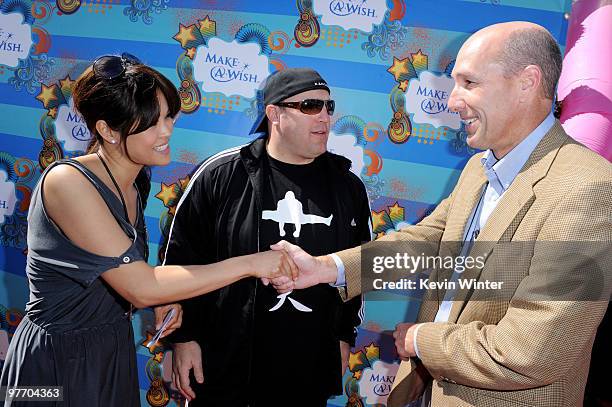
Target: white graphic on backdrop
(427, 97)
(344, 145)
(231, 68)
(290, 210)
(8, 196)
(71, 128)
(375, 383)
(15, 39)
(359, 14)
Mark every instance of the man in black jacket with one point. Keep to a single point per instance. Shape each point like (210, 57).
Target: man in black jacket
(244, 344)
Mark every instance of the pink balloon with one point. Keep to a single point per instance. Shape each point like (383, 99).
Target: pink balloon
(585, 85)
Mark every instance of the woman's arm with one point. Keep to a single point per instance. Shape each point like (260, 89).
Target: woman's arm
(80, 212)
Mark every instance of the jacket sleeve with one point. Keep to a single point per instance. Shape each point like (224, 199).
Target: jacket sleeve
(351, 312)
(189, 235)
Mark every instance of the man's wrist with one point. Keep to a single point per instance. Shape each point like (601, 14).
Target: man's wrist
(329, 271)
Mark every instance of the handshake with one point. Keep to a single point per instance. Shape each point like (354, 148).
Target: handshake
(298, 269)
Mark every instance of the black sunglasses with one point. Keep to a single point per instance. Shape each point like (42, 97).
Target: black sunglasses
(113, 66)
(311, 106)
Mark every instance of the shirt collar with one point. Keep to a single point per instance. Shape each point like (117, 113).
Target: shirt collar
(501, 173)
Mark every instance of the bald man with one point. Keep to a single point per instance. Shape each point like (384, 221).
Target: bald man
(536, 205)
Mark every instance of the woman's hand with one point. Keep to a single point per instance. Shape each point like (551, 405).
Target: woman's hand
(273, 264)
(175, 322)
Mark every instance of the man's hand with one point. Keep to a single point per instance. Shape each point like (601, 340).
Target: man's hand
(404, 340)
(312, 270)
(175, 322)
(345, 352)
(186, 356)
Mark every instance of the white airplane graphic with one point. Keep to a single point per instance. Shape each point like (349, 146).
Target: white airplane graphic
(289, 210)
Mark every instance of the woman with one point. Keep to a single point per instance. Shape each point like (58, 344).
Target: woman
(86, 261)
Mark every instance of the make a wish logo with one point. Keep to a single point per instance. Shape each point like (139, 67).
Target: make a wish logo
(8, 196)
(358, 14)
(70, 128)
(231, 68)
(427, 97)
(15, 39)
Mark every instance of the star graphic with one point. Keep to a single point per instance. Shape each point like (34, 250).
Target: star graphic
(185, 34)
(191, 52)
(153, 345)
(66, 83)
(172, 210)
(378, 219)
(357, 374)
(372, 352)
(403, 85)
(208, 27)
(47, 94)
(400, 66)
(419, 60)
(52, 112)
(396, 213)
(355, 359)
(159, 356)
(183, 182)
(167, 194)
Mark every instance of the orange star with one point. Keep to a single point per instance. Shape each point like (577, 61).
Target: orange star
(185, 34)
(378, 219)
(191, 52)
(172, 210)
(167, 194)
(403, 85)
(183, 182)
(355, 359)
(47, 94)
(399, 67)
(52, 112)
(357, 374)
(147, 339)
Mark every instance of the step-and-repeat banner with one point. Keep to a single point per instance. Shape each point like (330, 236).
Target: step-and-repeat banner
(388, 63)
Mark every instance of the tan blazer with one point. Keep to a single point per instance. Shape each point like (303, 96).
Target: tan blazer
(521, 349)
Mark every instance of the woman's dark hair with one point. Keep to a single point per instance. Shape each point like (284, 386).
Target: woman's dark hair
(127, 103)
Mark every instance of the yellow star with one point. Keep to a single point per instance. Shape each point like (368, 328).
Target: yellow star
(183, 182)
(172, 210)
(66, 83)
(357, 374)
(191, 52)
(185, 34)
(372, 352)
(403, 85)
(378, 219)
(167, 194)
(47, 94)
(419, 60)
(400, 66)
(355, 359)
(52, 112)
(208, 27)
(159, 356)
(396, 213)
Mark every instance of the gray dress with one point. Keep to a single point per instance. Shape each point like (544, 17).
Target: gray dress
(76, 332)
